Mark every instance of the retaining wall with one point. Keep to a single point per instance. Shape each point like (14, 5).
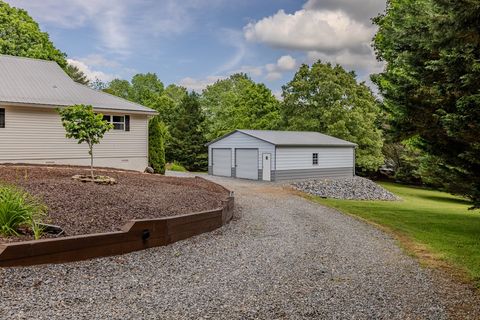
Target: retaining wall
(135, 235)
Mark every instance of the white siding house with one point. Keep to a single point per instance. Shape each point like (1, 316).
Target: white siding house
(280, 155)
(31, 131)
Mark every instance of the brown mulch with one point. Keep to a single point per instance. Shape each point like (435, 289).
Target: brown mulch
(83, 208)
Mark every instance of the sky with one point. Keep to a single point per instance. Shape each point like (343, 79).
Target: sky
(193, 43)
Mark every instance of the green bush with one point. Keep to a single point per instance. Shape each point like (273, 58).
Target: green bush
(157, 134)
(19, 209)
(175, 166)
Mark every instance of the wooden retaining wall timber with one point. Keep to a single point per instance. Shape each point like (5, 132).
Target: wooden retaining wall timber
(135, 235)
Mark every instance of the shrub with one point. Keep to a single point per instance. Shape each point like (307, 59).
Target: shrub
(175, 166)
(157, 134)
(19, 209)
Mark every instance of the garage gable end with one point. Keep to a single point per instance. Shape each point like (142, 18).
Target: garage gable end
(238, 140)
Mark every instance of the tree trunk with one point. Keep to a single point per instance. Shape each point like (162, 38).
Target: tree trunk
(91, 163)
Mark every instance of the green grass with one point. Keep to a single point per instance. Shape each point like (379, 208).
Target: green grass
(436, 220)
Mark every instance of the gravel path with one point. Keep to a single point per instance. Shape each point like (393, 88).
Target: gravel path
(281, 258)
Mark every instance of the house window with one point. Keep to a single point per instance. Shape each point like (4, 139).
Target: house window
(119, 122)
(315, 159)
(2, 118)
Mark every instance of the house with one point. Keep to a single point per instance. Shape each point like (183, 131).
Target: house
(31, 131)
(280, 155)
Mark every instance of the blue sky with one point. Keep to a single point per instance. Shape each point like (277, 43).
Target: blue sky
(195, 42)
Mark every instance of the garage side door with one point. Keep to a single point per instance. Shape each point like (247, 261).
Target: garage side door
(222, 162)
(247, 163)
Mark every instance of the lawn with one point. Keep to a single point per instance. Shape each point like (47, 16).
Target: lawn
(434, 220)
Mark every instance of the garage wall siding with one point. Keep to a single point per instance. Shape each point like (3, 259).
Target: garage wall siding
(241, 140)
(301, 158)
(36, 135)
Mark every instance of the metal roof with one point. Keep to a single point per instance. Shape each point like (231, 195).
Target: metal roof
(293, 138)
(41, 82)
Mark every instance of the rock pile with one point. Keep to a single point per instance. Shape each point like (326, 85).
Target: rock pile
(355, 188)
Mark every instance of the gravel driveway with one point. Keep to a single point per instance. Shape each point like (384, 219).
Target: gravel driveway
(281, 258)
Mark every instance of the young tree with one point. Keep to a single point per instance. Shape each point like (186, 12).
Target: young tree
(157, 134)
(81, 123)
(430, 84)
(238, 103)
(328, 99)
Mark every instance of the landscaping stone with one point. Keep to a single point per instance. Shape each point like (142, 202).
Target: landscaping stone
(149, 170)
(105, 180)
(354, 188)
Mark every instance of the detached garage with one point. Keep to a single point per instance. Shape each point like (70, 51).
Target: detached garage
(280, 155)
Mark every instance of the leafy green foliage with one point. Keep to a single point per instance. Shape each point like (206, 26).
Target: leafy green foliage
(21, 36)
(430, 83)
(157, 134)
(148, 90)
(81, 123)
(238, 103)
(187, 144)
(327, 99)
(175, 166)
(19, 209)
(76, 74)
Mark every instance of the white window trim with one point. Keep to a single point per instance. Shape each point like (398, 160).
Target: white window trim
(110, 116)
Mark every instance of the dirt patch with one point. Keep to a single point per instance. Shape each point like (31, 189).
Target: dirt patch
(82, 208)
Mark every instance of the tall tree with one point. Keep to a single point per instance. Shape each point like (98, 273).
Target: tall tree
(430, 83)
(328, 99)
(187, 144)
(239, 103)
(76, 74)
(21, 36)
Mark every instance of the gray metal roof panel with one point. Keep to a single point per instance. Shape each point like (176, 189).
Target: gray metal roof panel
(41, 82)
(293, 138)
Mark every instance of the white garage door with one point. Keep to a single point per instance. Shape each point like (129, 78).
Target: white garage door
(222, 162)
(247, 163)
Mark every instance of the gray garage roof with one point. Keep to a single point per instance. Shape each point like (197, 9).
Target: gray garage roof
(41, 82)
(293, 138)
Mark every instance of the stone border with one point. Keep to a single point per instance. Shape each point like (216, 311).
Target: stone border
(136, 235)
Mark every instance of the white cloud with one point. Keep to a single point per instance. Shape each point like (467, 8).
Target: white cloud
(198, 84)
(309, 30)
(275, 70)
(286, 63)
(360, 10)
(360, 62)
(250, 70)
(119, 25)
(273, 76)
(98, 60)
(232, 38)
(336, 31)
(90, 73)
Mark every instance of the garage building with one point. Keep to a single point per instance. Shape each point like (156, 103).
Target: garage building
(280, 155)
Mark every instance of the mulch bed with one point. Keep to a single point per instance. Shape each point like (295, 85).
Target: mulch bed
(84, 208)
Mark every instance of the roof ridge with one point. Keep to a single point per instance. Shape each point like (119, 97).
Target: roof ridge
(27, 58)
